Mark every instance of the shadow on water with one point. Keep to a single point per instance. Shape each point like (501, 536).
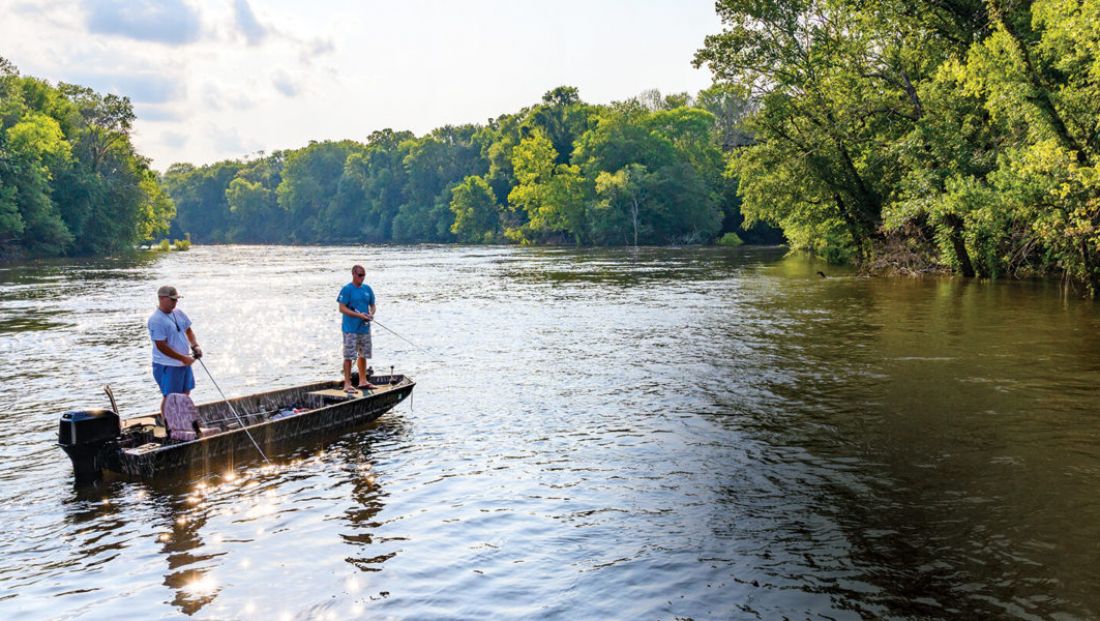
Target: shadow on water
(34, 278)
(41, 295)
(920, 446)
(634, 266)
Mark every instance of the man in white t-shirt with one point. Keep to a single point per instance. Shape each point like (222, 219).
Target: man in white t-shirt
(170, 331)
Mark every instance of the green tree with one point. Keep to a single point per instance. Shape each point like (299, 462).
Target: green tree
(562, 117)
(554, 196)
(35, 147)
(157, 208)
(70, 179)
(683, 171)
(476, 217)
(385, 181)
(729, 110)
(249, 202)
(832, 104)
(621, 195)
(435, 164)
(310, 180)
(254, 211)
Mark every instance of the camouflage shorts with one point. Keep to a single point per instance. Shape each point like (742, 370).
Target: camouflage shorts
(355, 342)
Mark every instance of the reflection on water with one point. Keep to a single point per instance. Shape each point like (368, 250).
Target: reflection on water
(209, 532)
(661, 433)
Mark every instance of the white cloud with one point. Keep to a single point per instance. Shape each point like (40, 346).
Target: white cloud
(171, 22)
(279, 73)
(140, 87)
(216, 98)
(315, 49)
(230, 141)
(321, 46)
(174, 140)
(157, 113)
(254, 32)
(285, 85)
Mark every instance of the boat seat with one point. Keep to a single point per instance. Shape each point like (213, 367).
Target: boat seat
(335, 395)
(182, 419)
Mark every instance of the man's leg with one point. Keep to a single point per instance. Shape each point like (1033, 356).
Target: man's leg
(363, 346)
(348, 354)
(158, 376)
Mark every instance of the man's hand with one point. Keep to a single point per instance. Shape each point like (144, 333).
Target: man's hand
(196, 352)
(366, 316)
(187, 361)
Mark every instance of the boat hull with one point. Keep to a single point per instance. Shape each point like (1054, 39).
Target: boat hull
(227, 448)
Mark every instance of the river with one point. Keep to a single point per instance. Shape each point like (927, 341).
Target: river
(605, 434)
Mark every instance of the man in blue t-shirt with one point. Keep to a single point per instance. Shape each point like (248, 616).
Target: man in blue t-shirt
(356, 301)
(170, 331)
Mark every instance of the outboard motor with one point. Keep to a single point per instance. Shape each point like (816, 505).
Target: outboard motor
(84, 435)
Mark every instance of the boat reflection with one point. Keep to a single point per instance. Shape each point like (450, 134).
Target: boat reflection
(209, 531)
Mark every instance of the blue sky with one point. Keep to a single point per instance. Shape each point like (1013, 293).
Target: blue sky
(218, 79)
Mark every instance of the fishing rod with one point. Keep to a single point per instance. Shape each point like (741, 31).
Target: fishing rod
(366, 321)
(399, 336)
(234, 410)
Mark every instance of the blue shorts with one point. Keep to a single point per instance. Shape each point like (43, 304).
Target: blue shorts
(173, 379)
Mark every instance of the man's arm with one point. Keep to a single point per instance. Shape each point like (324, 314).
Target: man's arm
(371, 314)
(351, 313)
(171, 353)
(195, 349)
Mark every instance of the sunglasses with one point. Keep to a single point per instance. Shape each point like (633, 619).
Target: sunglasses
(358, 273)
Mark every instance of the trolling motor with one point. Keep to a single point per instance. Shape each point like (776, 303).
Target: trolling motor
(86, 436)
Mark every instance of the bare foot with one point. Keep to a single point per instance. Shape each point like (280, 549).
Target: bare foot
(367, 386)
(349, 388)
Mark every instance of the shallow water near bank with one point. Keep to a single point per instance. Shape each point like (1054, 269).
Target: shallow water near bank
(667, 433)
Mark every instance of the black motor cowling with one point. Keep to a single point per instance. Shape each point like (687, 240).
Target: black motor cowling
(84, 435)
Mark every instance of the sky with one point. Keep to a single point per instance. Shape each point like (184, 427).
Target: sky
(221, 79)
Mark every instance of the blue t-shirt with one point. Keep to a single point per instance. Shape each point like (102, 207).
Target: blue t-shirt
(358, 299)
(171, 327)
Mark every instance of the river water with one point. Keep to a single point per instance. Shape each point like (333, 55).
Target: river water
(661, 434)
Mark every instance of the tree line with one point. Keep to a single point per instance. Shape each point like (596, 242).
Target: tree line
(896, 135)
(70, 179)
(963, 133)
(649, 170)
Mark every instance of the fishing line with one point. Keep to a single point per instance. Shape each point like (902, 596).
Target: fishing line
(234, 410)
(399, 336)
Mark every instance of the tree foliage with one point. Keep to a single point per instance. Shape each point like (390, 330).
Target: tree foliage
(70, 179)
(476, 217)
(964, 130)
(528, 177)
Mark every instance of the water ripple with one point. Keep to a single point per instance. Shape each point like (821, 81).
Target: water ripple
(661, 433)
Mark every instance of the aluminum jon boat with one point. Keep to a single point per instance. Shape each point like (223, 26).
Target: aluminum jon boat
(143, 447)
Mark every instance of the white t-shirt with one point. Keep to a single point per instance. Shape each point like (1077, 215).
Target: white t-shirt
(171, 327)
